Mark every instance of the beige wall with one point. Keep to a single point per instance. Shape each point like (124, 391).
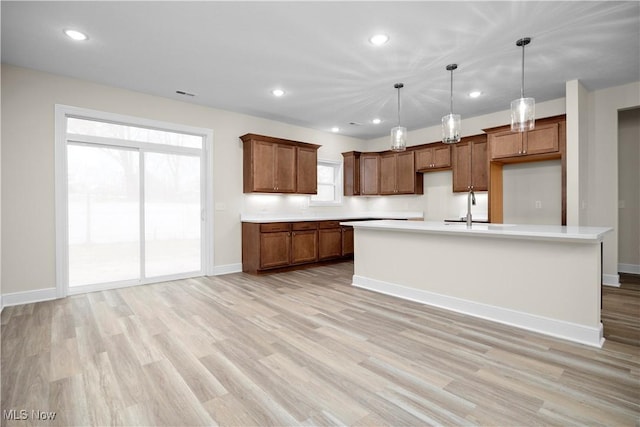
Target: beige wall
(577, 98)
(601, 201)
(629, 185)
(532, 193)
(28, 223)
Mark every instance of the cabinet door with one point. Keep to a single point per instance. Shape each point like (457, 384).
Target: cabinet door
(505, 144)
(285, 166)
(351, 173)
(479, 163)
(304, 246)
(405, 173)
(542, 139)
(330, 243)
(461, 166)
(263, 167)
(388, 173)
(442, 157)
(424, 158)
(369, 179)
(307, 171)
(347, 241)
(275, 249)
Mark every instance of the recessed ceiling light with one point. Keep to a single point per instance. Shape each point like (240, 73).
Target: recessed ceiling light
(76, 35)
(277, 92)
(475, 94)
(376, 121)
(335, 129)
(379, 39)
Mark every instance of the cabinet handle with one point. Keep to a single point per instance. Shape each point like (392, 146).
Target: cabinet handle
(524, 152)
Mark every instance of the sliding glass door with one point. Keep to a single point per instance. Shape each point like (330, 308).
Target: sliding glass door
(104, 219)
(135, 204)
(172, 214)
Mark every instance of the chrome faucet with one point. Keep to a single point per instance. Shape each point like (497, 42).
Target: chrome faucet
(471, 199)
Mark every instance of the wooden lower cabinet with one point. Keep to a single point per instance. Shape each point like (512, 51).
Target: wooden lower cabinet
(347, 241)
(275, 249)
(271, 246)
(330, 245)
(304, 246)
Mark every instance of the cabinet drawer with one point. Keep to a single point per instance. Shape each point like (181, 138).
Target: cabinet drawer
(299, 226)
(329, 224)
(275, 226)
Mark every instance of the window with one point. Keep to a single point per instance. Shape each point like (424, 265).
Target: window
(329, 184)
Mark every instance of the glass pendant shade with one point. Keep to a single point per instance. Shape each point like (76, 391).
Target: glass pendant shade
(523, 114)
(523, 110)
(398, 138)
(451, 124)
(398, 133)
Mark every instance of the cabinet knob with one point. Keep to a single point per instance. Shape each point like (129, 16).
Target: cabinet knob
(524, 152)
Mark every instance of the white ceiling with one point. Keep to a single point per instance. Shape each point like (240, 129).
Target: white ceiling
(231, 54)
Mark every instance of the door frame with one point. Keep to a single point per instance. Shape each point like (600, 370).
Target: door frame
(61, 199)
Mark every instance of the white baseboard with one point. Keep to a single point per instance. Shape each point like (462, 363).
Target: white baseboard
(220, 270)
(611, 280)
(557, 328)
(27, 297)
(629, 268)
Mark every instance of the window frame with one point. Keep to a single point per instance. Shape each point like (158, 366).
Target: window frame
(337, 183)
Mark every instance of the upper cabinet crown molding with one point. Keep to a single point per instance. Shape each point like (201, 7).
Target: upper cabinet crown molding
(277, 165)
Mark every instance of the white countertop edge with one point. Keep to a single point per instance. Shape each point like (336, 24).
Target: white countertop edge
(264, 218)
(514, 231)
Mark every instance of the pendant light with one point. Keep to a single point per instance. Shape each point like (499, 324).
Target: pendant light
(398, 133)
(451, 122)
(523, 110)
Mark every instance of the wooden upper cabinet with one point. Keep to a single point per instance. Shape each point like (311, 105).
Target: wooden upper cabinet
(351, 173)
(388, 173)
(369, 174)
(398, 174)
(284, 168)
(543, 139)
(469, 160)
(275, 165)
(307, 170)
(433, 156)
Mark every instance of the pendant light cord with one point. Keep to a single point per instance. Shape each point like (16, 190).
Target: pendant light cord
(399, 87)
(522, 87)
(452, 91)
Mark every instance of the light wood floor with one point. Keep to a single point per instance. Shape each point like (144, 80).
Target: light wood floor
(621, 310)
(298, 348)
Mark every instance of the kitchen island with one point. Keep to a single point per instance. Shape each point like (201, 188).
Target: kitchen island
(545, 279)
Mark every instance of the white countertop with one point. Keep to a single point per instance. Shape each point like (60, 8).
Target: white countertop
(529, 232)
(263, 218)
